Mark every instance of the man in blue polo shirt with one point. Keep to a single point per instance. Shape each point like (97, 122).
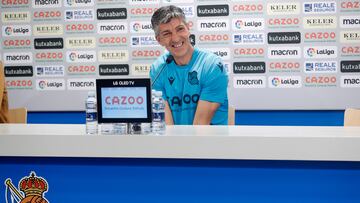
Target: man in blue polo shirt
(193, 81)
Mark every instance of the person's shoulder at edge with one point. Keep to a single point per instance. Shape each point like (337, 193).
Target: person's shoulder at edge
(209, 58)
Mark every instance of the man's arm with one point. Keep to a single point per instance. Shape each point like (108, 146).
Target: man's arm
(204, 112)
(168, 115)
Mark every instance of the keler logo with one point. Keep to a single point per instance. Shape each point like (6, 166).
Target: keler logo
(31, 189)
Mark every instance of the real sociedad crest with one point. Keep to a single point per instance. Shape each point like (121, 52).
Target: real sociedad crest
(31, 189)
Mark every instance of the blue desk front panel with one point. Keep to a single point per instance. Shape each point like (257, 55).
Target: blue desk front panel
(284, 118)
(187, 181)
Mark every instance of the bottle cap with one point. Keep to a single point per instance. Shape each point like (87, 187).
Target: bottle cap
(91, 94)
(158, 93)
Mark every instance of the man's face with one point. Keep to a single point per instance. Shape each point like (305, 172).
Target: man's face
(174, 36)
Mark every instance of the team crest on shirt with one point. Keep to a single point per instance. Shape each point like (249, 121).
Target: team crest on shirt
(171, 80)
(192, 78)
(31, 189)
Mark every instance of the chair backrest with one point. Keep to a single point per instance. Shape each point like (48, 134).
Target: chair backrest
(231, 116)
(18, 115)
(352, 117)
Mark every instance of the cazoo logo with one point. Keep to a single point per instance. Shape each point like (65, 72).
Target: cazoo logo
(145, 54)
(17, 44)
(15, 3)
(249, 52)
(284, 22)
(320, 36)
(19, 84)
(248, 8)
(214, 39)
(47, 15)
(320, 81)
(112, 41)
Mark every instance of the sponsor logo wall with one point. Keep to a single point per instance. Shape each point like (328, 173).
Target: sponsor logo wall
(273, 49)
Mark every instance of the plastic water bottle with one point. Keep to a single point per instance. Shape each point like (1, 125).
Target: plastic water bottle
(146, 127)
(158, 119)
(91, 114)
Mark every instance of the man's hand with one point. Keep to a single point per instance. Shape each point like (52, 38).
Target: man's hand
(168, 115)
(204, 112)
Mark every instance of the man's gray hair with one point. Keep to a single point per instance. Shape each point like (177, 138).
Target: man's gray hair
(164, 15)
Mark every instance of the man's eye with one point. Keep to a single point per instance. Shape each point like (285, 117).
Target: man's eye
(166, 34)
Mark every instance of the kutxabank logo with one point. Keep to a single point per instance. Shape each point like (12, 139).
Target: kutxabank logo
(31, 190)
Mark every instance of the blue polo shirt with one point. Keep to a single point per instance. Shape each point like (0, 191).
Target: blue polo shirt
(204, 78)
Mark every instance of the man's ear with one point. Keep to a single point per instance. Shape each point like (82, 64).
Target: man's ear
(158, 40)
(187, 26)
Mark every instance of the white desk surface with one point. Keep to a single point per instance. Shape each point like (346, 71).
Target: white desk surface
(189, 142)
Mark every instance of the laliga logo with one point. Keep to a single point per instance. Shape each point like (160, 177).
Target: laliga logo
(239, 24)
(42, 84)
(136, 27)
(275, 81)
(311, 52)
(8, 30)
(73, 56)
(33, 187)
